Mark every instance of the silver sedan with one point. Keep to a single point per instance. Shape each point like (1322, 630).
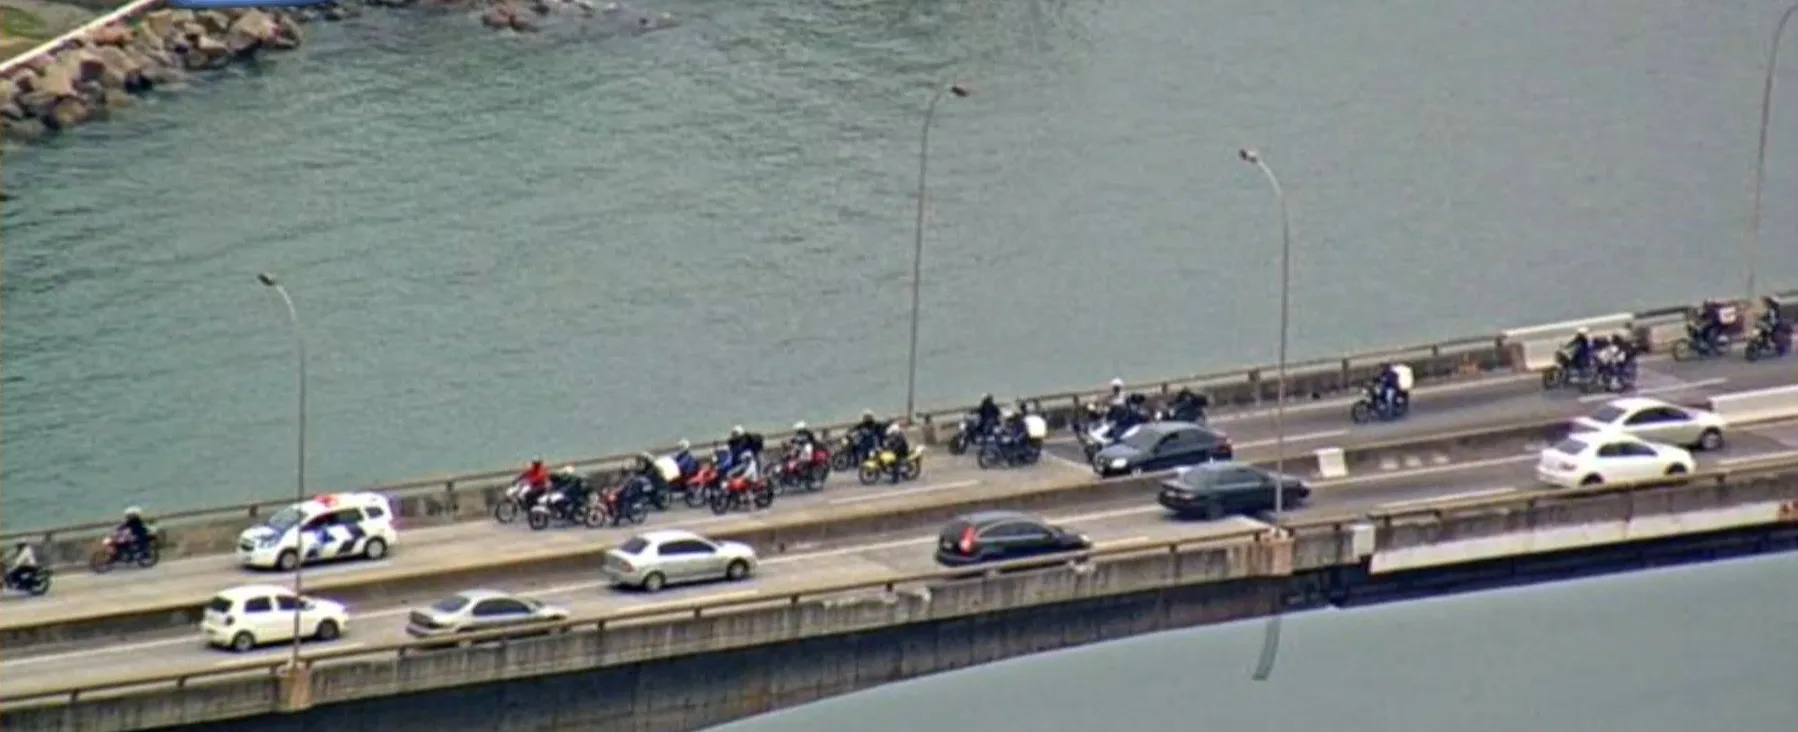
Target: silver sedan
(471, 611)
(1657, 421)
(656, 559)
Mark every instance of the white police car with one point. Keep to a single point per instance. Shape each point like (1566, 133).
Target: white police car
(335, 526)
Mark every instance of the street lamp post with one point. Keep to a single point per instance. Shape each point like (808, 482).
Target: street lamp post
(1271, 642)
(299, 341)
(917, 256)
(1760, 155)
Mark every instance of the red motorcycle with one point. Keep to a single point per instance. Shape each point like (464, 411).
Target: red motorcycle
(795, 473)
(741, 493)
(701, 485)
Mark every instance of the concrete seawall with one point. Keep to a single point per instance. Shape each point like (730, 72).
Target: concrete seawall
(686, 669)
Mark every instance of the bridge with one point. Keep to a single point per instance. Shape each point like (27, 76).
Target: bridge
(119, 651)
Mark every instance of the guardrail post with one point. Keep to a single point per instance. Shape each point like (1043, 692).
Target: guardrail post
(1255, 385)
(929, 430)
(294, 684)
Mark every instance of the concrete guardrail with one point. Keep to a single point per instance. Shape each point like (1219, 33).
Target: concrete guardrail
(1272, 552)
(1758, 405)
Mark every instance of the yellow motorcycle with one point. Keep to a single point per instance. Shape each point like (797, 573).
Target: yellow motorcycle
(886, 462)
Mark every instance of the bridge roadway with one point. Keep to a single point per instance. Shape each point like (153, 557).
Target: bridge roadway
(1109, 523)
(1437, 409)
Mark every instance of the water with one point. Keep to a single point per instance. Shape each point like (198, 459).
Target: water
(571, 244)
(1697, 647)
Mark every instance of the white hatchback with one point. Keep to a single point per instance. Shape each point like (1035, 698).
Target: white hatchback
(242, 618)
(1594, 458)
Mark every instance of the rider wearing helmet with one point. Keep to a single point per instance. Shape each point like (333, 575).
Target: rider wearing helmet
(1388, 385)
(867, 432)
(986, 416)
(535, 475)
(568, 486)
(683, 458)
(134, 533)
(1581, 347)
(896, 442)
(803, 441)
(22, 565)
(1117, 393)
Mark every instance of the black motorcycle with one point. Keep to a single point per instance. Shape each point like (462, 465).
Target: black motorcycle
(1008, 452)
(1565, 372)
(1766, 343)
(1371, 406)
(1614, 376)
(618, 510)
(851, 449)
(116, 550)
(1696, 346)
(34, 581)
(560, 505)
(968, 434)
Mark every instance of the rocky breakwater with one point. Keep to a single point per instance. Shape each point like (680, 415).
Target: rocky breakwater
(105, 69)
(527, 16)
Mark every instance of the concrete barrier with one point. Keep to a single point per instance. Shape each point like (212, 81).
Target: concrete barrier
(1534, 346)
(773, 534)
(1779, 402)
(1220, 578)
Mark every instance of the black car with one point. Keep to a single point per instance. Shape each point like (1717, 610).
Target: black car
(994, 536)
(1217, 489)
(1161, 446)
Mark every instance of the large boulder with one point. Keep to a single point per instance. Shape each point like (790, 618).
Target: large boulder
(23, 130)
(498, 17)
(207, 53)
(111, 34)
(157, 23)
(124, 69)
(214, 21)
(291, 34)
(251, 31)
(68, 112)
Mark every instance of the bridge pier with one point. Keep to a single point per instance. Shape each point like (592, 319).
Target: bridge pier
(295, 692)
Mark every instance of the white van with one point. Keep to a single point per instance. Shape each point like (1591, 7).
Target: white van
(328, 527)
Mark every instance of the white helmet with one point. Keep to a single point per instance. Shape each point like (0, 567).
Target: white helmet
(1583, 330)
(1117, 383)
(133, 511)
(737, 431)
(566, 470)
(894, 429)
(799, 426)
(685, 445)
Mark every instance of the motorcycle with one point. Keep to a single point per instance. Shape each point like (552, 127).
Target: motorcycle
(851, 448)
(1370, 407)
(557, 505)
(116, 549)
(35, 581)
(1615, 375)
(968, 434)
(740, 493)
(1009, 452)
(885, 462)
(792, 472)
(516, 500)
(614, 508)
(1696, 346)
(1565, 372)
(1764, 343)
(704, 482)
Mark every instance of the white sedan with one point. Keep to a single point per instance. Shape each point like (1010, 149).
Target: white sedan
(1653, 419)
(1594, 458)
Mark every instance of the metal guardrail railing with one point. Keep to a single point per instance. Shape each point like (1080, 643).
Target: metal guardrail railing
(599, 622)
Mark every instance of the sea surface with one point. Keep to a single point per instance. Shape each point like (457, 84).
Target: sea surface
(576, 243)
(1701, 647)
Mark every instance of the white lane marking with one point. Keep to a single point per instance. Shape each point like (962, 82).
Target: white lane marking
(1066, 462)
(1450, 497)
(905, 492)
(1679, 386)
(276, 654)
(1763, 457)
(1307, 437)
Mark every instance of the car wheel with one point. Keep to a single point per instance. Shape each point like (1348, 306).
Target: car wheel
(1711, 440)
(1591, 480)
(287, 560)
(327, 631)
(243, 642)
(737, 570)
(654, 582)
(375, 550)
(1676, 469)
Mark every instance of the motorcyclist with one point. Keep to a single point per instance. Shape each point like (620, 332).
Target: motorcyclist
(867, 432)
(133, 533)
(535, 475)
(803, 442)
(1581, 347)
(742, 440)
(986, 416)
(567, 486)
(22, 565)
(895, 441)
(683, 459)
(1772, 320)
(651, 473)
(1188, 406)
(1388, 386)
(1014, 430)
(1117, 393)
(747, 465)
(1712, 320)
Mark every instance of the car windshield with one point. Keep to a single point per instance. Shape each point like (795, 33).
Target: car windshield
(1570, 446)
(453, 603)
(633, 545)
(1607, 414)
(1142, 439)
(285, 519)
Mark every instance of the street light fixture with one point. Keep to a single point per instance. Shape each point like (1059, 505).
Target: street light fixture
(957, 89)
(1760, 155)
(1270, 645)
(299, 341)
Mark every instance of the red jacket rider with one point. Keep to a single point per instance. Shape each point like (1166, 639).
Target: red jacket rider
(536, 476)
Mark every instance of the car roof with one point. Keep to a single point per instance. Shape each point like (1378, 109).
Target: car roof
(1634, 403)
(476, 595)
(242, 591)
(334, 501)
(663, 536)
(983, 518)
